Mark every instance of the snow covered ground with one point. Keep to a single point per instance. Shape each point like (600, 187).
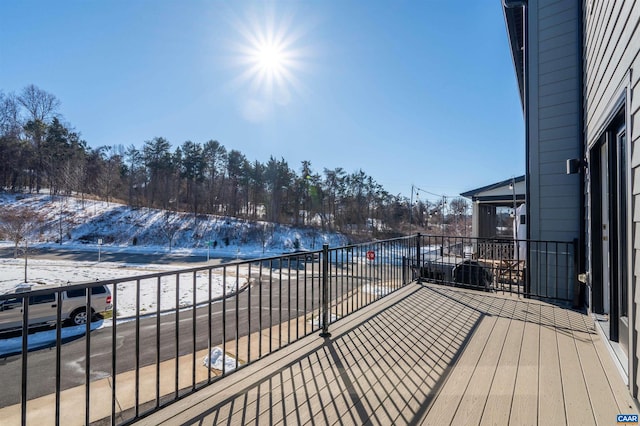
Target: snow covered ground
(46, 273)
(73, 223)
(79, 225)
(76, 225)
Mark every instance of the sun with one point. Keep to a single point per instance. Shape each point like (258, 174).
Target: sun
(271, 63)
(270, 58)
(270, 55)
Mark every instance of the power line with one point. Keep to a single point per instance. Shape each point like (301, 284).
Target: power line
(432, 193)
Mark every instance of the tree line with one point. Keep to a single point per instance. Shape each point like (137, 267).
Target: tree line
(38, 150)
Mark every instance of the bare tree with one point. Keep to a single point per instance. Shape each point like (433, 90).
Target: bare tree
(265, 233)
(12, 163)
(17, 225)
(40, 104)
(458, 208)
(169, 227)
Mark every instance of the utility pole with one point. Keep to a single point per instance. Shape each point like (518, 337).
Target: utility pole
(411, 212)
(513, 184)
(444, 206)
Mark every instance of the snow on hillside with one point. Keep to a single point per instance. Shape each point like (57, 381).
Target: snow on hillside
(81, 223)
(72, 222)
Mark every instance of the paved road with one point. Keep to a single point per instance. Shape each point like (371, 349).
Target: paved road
(112, 255)
(264, 298)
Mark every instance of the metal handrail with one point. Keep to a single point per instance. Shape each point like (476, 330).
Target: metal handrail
(265, 305)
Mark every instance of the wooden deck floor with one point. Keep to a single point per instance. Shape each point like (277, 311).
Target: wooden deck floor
(426, 355)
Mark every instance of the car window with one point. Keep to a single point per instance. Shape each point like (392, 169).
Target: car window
(14, 303)
(98, 290)
(76, 293)
(42, 298)
(82, 292)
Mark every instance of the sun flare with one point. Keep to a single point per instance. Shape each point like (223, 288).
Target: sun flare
(270, 55)
(270, 58)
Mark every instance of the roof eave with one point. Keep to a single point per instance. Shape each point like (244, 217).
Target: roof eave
(513, 20)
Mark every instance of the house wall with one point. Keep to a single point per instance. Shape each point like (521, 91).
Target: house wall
(554, 126)
(554, 134)
(612, 70)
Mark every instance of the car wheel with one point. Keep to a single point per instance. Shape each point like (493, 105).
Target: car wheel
(79, 317)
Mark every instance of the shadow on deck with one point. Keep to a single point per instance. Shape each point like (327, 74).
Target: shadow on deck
(426, 355)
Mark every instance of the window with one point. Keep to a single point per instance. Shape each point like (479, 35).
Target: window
(42, 298)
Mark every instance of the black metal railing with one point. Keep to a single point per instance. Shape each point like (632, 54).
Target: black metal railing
(540, 269)
(169, 334)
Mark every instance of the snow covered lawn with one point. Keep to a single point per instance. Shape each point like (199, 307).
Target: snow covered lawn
(57, 273)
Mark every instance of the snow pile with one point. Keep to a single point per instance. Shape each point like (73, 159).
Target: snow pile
(316, 321)
(376, 290)
(216, 359)
(44, 339)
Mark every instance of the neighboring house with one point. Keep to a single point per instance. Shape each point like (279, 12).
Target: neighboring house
(486, 200)
(575, 62)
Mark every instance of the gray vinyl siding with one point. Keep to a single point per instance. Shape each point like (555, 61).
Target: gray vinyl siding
(612, 67)
(554, 124)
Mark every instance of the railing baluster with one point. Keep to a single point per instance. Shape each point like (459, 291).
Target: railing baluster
(306, 285)
(325, 292)
(237, 297)
(58, 352)
(25, 351)
(224, 319)
(209, 323)
(260, 312)
(298, 299)
(313, 275)
(270, 306)
(87, 357)
(249, 315)
(137, 359)
(344, 298)
(158, 359)
(289, 302)
(193, 333)
(114, 340)
(177, 335)
(280, 302)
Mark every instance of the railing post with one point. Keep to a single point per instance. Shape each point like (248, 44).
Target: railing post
(325, 291)
(418, 258)
(25, 351)
(577, 296)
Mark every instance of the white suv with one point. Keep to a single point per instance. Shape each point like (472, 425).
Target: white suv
(43, 307)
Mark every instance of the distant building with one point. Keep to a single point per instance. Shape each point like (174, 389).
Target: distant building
(509, 193)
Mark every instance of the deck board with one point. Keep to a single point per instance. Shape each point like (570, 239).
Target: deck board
(606, 376)
(426, 354)
(576, 398)
(475, 397)
(498, 406)
(550, 396)
(524, 405)
(603, 401)
(448, 399)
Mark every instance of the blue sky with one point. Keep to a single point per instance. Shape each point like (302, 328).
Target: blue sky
(411, 92)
